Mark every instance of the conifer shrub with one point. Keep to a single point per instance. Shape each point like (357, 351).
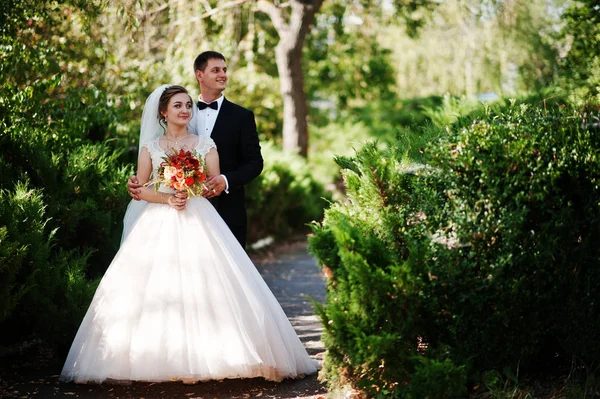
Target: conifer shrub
(482, 259)
(62, 201)
(43, 289)
(24, 241)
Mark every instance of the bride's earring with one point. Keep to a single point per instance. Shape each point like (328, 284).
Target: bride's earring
(163, 119)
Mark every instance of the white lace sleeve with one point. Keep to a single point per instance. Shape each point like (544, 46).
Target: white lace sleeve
(152, 146)
(156, 155)
(204, 145)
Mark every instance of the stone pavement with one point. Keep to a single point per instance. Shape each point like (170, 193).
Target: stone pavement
(293, 277)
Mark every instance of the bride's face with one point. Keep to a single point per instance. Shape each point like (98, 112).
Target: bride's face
(179, 110)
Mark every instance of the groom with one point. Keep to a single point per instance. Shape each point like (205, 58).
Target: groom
(233, 129)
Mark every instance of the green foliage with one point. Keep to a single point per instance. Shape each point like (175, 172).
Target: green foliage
(482, 259)
(62, 195)
(372, 318)
(450, 109)
(505, 385)
(468, 47)
(518, 225)
(384, 117)
(581, 67)
(284, 198)
(331, 140)
(42, 289)
(438, 379)
(24, 241)
(386, 122)
(82, 180)
(33, 44)
(63, 200)
(348, 57)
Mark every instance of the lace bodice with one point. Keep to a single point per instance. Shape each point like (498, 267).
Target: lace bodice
(157, 153)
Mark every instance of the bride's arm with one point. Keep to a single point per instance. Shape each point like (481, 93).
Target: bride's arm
(148, 193)
(212, 163)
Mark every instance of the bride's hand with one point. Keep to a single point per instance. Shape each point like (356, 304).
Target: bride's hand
(177, 203)
(133, 186)
(182, 194)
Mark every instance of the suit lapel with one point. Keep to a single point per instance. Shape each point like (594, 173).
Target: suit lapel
(221, 121)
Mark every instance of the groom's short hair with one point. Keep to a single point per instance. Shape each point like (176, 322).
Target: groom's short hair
(202, 60)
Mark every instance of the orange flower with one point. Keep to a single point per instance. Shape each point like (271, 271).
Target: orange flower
(182, 170)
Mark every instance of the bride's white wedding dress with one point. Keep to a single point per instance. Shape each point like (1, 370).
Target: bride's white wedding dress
(181, 300)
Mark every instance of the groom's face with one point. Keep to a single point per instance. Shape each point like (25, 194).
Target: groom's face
(214, 76)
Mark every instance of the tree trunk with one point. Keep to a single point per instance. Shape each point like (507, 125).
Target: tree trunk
(292, 31)
(295, 106)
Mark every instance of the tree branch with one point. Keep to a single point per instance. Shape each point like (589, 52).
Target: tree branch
(160, 8)
(303, 15)
(222, 7)
(274, 13)
(206, 4)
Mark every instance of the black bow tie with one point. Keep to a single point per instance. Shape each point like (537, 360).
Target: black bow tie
(202, 105)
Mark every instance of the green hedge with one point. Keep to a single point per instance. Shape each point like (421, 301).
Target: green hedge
(483, 262)
(62, 200)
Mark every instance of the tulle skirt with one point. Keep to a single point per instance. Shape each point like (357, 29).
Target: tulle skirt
(181, 300)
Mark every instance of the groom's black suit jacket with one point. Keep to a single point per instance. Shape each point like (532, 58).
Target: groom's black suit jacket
(240, 161)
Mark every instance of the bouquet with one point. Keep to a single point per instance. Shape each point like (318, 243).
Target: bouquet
(181, 171)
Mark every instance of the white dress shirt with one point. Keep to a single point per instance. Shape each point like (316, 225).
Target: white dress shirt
(206, 118)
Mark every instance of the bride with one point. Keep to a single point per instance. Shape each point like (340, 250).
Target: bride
(181, 300)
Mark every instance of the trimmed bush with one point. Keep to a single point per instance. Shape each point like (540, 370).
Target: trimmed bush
(372, 317)
(483, 260)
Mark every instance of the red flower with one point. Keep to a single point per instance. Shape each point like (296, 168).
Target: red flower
(186, 172)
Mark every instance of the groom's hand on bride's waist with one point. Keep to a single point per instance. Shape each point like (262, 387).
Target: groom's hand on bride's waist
(133, 186)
